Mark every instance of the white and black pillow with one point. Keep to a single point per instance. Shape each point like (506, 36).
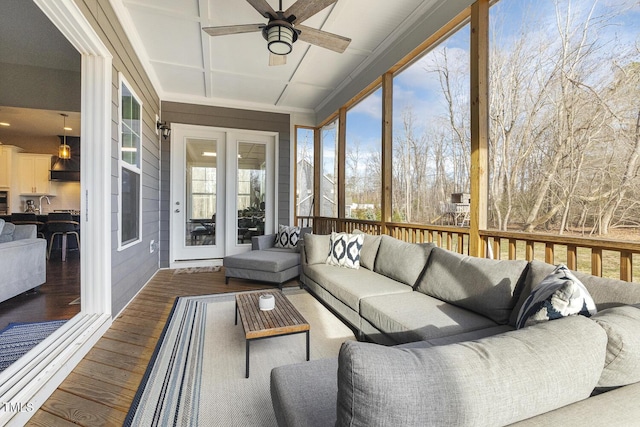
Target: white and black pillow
(344, 250)
(560, 294)
(287, 237)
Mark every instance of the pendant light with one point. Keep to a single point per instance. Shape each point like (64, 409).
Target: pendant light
(64, 151)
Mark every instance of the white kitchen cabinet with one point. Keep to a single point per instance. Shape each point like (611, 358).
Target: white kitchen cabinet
(8, 156)
(33, 172)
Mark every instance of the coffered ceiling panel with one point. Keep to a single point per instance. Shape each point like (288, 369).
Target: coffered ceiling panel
(187, 64)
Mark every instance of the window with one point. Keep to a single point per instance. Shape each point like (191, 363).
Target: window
(304, 171)
(129, 200)
(363, 158)
(329, 178)
(431, 138)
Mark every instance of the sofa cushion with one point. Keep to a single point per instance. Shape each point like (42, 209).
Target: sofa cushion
(414, 316)
(316, 248)
(350, 286)
(287, 237)
(344, 250)
(1, 225)
(560, 294)
(304, 394)
(273, 260)
(622, 364)
(400, 260)
(369, 250)
(484, 286)
(493, 381)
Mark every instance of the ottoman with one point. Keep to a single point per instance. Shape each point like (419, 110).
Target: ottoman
(273, 265)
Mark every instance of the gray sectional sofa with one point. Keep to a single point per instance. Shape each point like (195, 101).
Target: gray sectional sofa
(22, 259)
(451, 354)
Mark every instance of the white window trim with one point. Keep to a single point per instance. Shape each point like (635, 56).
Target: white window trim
(32, 379)
(122, 164)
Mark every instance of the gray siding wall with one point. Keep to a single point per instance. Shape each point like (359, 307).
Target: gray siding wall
(174, 112)
(132, 267)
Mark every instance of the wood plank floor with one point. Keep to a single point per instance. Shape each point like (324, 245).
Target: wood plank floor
(101, 388)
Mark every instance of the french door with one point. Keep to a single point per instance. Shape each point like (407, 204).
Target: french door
(222, 192)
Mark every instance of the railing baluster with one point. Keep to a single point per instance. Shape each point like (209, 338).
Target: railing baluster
(529, 250)
(596, 261)
(572, 257)
(512, 248)
(496, 248)
(548, 253)
(626, 266)
(449, 241)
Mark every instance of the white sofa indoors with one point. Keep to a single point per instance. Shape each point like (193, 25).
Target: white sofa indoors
(22, 259)
(456, 357)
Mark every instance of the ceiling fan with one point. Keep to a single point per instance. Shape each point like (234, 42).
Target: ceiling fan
(284, 28)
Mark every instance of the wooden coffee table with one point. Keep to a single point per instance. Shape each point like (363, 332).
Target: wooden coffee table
(284, 319)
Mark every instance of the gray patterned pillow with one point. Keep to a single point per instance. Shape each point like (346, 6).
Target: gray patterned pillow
(345, 250)
(560, 294)
(287, 237)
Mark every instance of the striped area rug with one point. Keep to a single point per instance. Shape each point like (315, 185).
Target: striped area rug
(18, 338)
(196, 376)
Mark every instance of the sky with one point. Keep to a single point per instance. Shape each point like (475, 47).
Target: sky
(419, 89)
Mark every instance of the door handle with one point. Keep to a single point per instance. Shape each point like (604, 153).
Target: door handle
(177, 210)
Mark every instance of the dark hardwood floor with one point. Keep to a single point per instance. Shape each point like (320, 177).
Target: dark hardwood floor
(52, 300)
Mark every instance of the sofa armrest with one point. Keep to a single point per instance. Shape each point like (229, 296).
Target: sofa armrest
(263, 242)
(25, 231)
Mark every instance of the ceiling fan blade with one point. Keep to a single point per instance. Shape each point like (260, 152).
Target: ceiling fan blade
(263, 8)
(277, 59)
(304, 10)
(233, 29)
(323, 39)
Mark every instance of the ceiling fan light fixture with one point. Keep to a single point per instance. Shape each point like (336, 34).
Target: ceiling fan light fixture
(280, 39)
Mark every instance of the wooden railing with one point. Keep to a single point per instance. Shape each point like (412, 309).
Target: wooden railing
(451, 238)
(611, 258)
(600, 257)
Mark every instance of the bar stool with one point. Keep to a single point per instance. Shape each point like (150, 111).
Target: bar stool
(62, 224)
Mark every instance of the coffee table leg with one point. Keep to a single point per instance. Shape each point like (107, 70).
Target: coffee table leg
(307, 346)
(247, 361)
(236, 312)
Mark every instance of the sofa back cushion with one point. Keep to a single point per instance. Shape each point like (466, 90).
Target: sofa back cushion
(606, 293)
(400, 260)
(493, 381)
(622, 364)
(484, 286)
(316, 248)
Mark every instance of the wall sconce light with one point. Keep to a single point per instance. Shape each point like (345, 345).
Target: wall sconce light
(164, 129)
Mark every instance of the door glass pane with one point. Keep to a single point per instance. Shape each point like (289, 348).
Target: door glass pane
(201, 181)
(252, 184)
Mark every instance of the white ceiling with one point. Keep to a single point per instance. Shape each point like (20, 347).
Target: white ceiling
(188, 65)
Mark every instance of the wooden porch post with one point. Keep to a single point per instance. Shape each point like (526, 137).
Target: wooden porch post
(317, 175)
(479, 125)
(387, 151)
(341, 146)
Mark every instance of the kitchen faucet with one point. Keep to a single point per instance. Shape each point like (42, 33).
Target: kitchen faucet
(40, 203)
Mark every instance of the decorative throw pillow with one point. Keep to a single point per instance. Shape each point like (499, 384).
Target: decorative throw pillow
(345, 250)
(287, 237)
(560, 294)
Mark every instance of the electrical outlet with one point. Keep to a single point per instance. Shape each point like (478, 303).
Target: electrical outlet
(152, 246)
